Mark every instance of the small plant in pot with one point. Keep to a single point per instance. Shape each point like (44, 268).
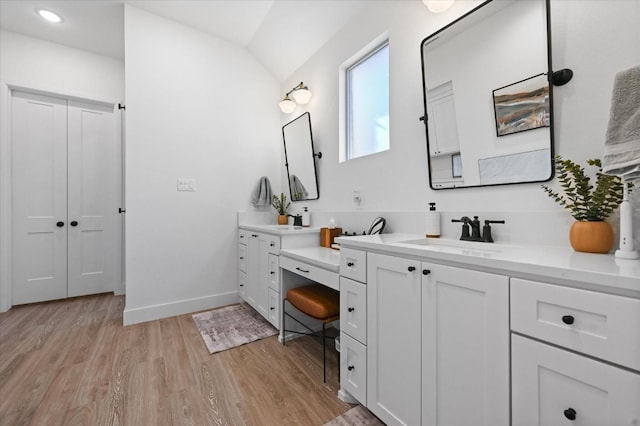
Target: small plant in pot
(282, 207)
(589, 205)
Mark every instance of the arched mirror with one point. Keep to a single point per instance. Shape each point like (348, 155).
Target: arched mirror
(487, 97)
(300, 159)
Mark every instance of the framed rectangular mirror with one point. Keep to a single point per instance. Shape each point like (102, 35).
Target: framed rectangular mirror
(300, 159)
(487, 98)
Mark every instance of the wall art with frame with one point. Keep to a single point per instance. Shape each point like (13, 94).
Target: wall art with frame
(522, 106)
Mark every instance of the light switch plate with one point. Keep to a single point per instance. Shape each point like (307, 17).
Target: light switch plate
(186, 184)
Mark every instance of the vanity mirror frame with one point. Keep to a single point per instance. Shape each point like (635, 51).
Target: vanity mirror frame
(301, 150)
(465, 20)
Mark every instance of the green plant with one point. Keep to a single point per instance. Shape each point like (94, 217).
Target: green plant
(280, 204)
(585, 202)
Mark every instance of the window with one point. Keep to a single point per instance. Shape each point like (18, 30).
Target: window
(367, 104)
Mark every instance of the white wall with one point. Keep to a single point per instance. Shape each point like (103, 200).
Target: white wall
(596, 39)
(37, 64)
(201, 108)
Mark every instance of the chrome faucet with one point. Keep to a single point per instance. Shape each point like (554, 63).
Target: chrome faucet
(474, 226)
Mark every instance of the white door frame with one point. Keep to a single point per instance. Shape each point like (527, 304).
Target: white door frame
(5, 187)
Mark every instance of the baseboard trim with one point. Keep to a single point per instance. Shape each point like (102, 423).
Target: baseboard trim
(166, 310)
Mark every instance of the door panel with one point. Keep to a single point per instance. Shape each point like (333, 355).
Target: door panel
(92, 201)
(39, 197)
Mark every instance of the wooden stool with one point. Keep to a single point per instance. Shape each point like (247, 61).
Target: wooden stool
(317, 301)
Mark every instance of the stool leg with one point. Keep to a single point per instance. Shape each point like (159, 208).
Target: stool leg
(282, 327)
(324, 356)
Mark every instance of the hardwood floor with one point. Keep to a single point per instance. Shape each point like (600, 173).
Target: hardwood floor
(72, 362)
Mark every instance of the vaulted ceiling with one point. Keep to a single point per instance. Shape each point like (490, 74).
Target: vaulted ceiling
(281, 34)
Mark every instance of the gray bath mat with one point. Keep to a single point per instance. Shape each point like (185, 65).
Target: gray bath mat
(357, 416)
(232, 326)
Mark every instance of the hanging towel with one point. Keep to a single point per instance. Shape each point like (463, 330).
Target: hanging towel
(262, 194)
(297, 189)
(622, 144)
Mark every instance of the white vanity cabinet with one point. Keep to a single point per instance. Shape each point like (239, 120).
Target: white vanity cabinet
(465, 334)
(597, 382)
(259, 265)
(437, 343)
(261, 253)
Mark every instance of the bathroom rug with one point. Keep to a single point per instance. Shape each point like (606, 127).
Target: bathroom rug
(357, 416)
(230, 326)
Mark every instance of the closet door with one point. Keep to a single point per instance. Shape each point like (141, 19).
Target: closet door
(92, 204)
(39, 197)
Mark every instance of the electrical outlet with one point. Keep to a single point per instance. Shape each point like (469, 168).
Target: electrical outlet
(186, 184)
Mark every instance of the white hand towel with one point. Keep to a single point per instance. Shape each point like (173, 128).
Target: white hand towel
(622, 144)
(262, 194)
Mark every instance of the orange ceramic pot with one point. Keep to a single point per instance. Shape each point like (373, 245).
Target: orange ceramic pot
(283, 219)
(591, 237)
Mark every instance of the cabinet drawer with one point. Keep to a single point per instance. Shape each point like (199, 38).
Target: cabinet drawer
(353, 309)
(353, 367)
(550, 386)
(602, 325)
(322, 276)
(243, 236)
(273, 244)
(242, 285)
(242, 257)
(353, 264)
(273, 313)
(274, 272)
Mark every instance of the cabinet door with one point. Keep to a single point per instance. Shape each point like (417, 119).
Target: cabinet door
(551, 386)
(253, 270)
(465, 347)
(393, 339)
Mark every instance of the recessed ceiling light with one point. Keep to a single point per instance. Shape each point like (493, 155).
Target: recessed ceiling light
(49, 15)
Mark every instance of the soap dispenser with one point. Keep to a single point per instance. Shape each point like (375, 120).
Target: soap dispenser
(433, 222)
(306, 217)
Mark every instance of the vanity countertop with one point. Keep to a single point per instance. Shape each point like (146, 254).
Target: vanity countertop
(322, 257)
(600, 272)
(281, 229)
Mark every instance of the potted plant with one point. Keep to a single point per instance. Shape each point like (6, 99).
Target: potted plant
(589, 205)
(282, 207)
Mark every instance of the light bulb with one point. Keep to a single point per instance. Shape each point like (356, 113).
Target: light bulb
(49, 16)
(302, 96)
(437, 6)
(287, 105)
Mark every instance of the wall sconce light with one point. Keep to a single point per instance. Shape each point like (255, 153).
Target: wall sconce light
(301, 95)
(437, 6)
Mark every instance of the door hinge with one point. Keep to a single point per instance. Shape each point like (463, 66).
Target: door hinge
(121, 106)
(121, 210)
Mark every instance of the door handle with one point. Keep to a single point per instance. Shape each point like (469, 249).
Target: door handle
(60, 224)
(73, 223)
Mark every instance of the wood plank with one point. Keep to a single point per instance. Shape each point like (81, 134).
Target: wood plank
(72, 362)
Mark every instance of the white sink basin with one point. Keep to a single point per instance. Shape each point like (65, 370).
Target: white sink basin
(283, 227)
(473, 248)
